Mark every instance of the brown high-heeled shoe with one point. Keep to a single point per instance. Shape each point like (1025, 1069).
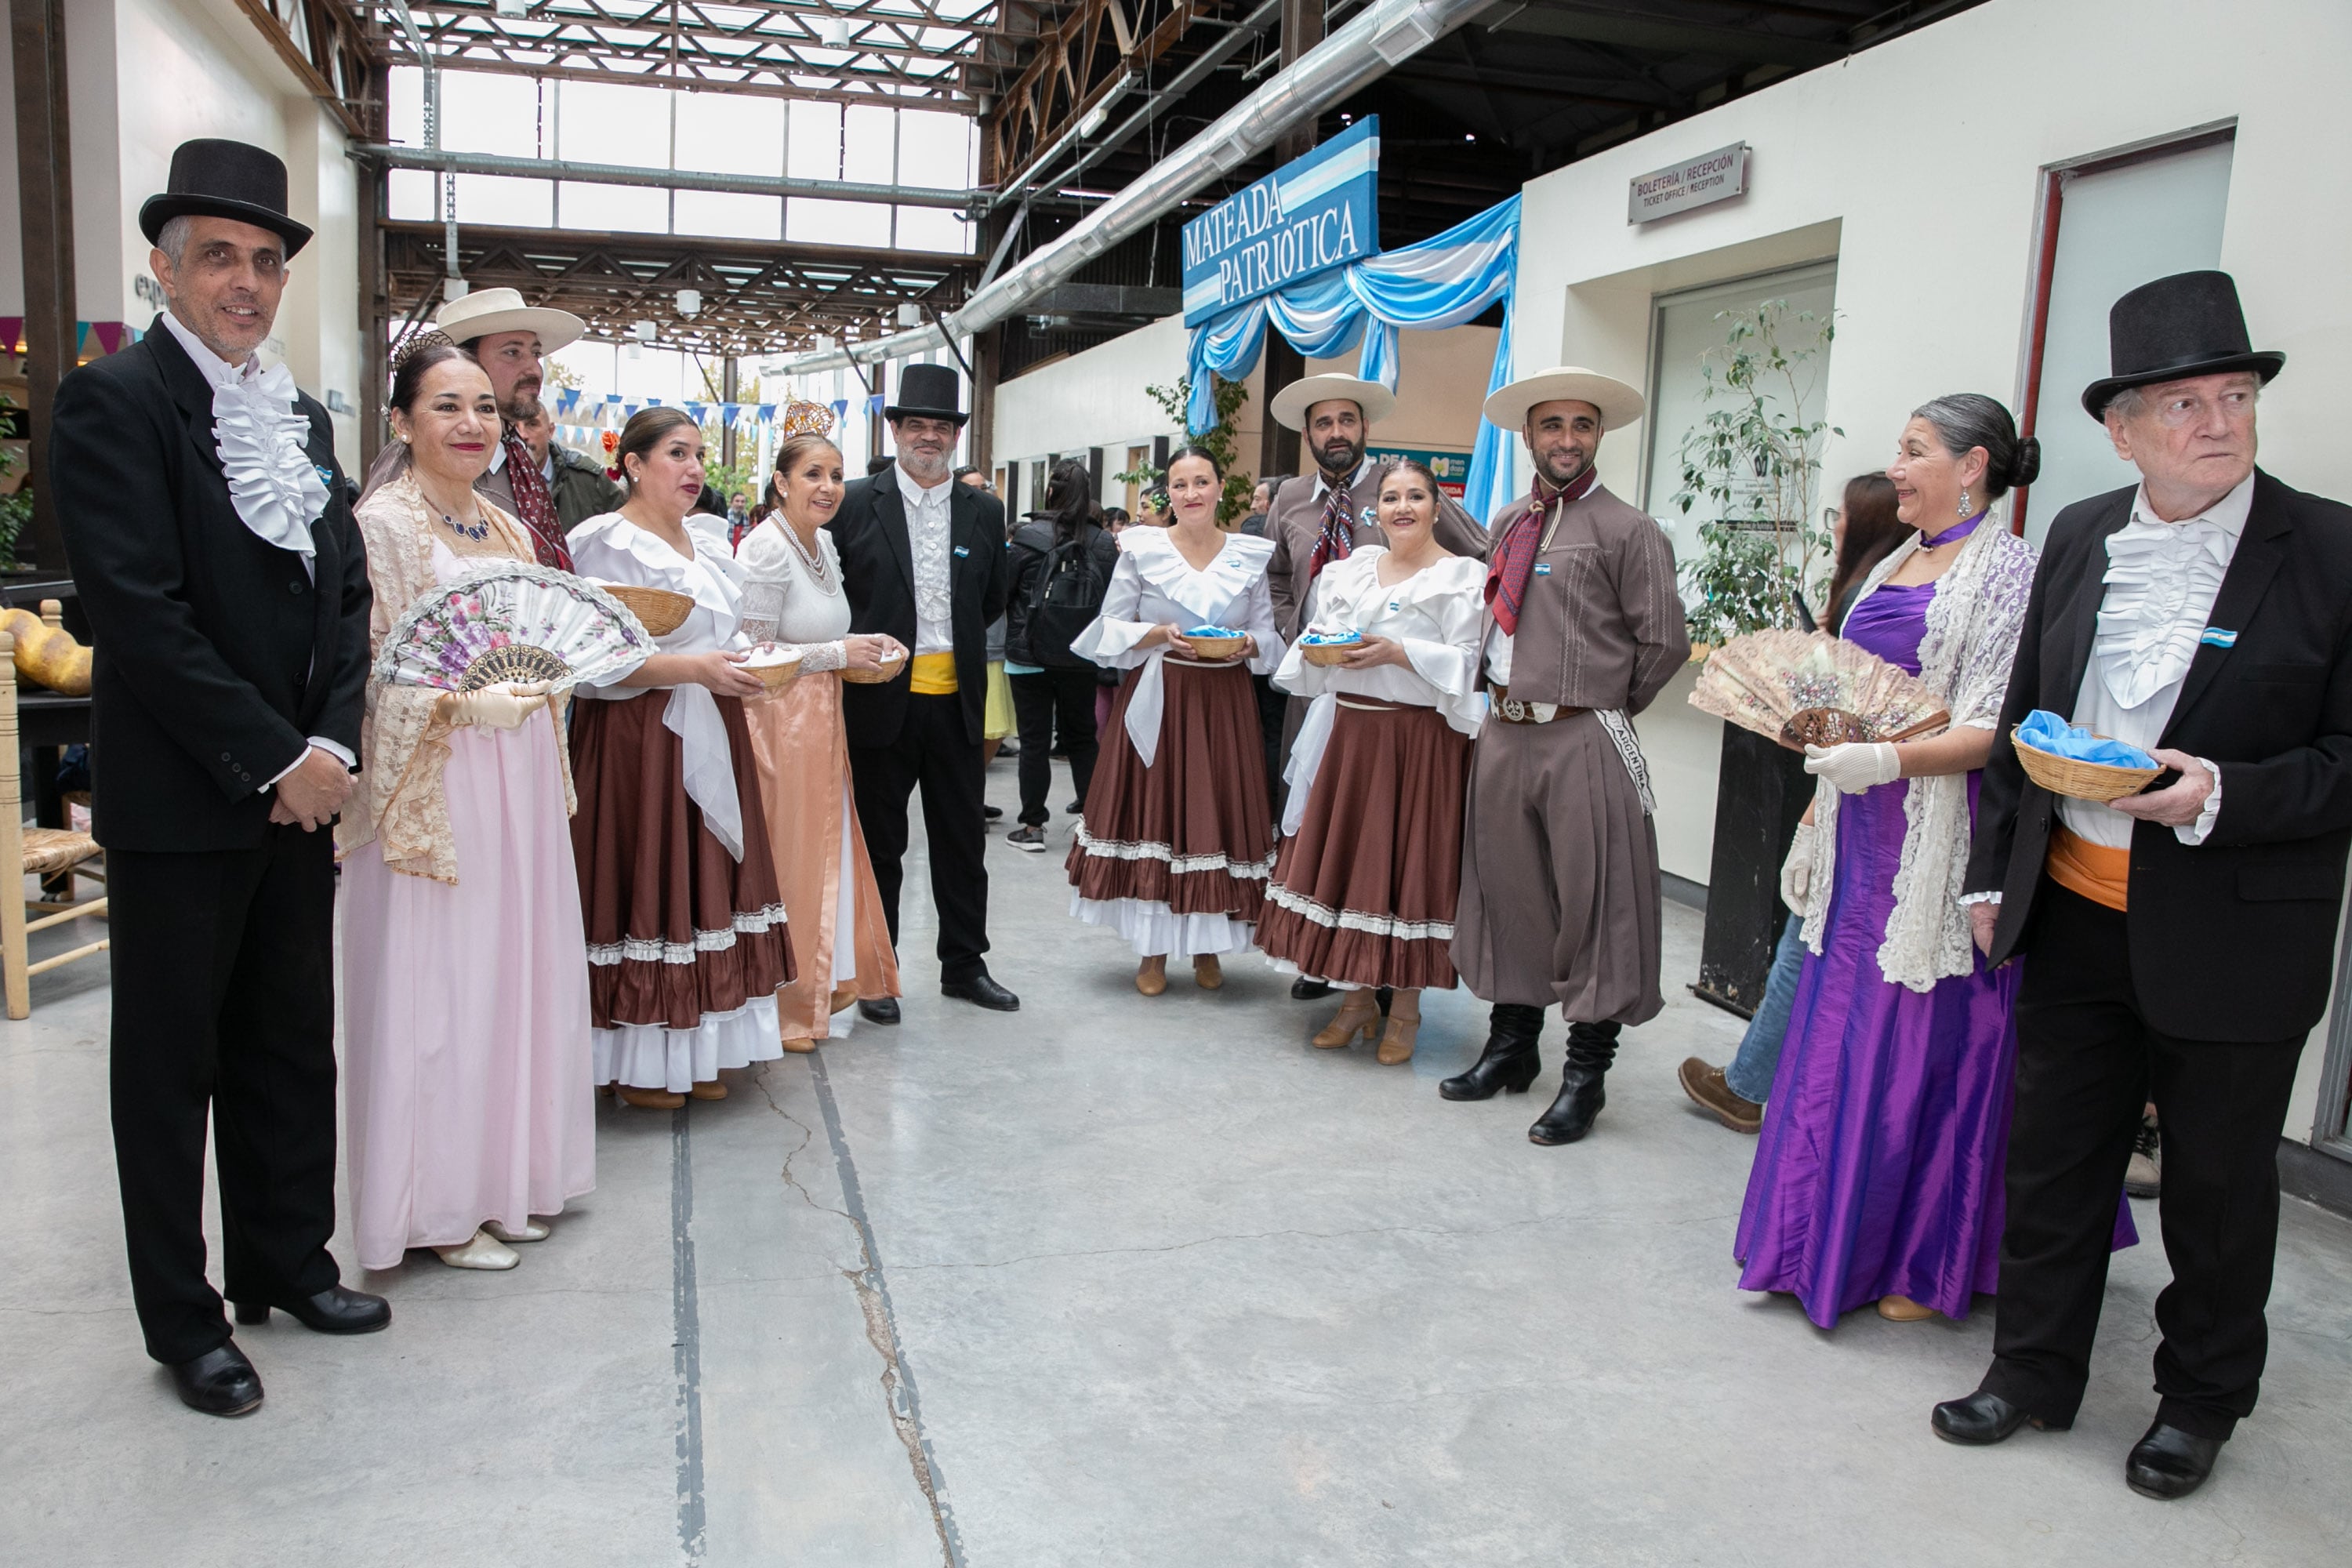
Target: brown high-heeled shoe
(1904, 1309)
(800, 1048)
(844, 997)
(1151, 975)
(649, 1098)
(714, 1089)
(1207, 972)
(1396, 1045)
(1359, 1014)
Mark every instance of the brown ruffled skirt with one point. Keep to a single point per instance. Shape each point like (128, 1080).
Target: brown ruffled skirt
(677, 926)
(1364, 893)
(1190, 836)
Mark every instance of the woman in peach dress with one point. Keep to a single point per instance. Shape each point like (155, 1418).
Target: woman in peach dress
(792, 598)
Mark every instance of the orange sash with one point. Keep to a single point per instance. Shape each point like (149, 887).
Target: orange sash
(2091, 870)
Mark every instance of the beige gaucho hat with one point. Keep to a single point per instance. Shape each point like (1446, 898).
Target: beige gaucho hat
(488, 310)
(1291, 403)
(1619, 403)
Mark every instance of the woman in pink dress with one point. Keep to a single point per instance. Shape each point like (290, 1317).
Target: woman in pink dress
(465, 969)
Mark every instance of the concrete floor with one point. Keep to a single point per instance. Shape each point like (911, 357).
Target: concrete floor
(1106, 1281)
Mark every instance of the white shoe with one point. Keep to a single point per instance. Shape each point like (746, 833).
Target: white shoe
(533, 1230)
(484, 1251)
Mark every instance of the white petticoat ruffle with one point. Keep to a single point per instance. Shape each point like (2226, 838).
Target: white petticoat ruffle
(263, 438)
(646, 1055)
(1151, 928)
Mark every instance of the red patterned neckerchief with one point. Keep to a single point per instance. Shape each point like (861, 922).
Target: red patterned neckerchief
(1514, 559)
(1337, 540)
(534, 506)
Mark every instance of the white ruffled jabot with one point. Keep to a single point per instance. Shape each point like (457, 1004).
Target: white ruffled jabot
(262, 434)
(2162, 581)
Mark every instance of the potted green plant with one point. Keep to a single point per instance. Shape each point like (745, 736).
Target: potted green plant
(1219, 440)
(1753, 462)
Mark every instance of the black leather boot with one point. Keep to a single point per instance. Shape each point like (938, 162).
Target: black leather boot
(1511, 1061)
(1590, 1048)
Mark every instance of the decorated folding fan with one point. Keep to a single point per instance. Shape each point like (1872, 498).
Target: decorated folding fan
(1806, 689)
(513, 621)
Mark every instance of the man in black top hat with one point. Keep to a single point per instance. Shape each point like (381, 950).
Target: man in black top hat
(923, 558)
(231, 625)
(2179, 942)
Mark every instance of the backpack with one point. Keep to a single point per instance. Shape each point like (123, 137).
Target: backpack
(1065, 597)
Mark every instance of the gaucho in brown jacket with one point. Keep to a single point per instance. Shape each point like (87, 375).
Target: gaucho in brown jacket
(1559, 861)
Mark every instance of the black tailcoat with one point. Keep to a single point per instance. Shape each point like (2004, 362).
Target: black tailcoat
(2233, 939)
(217, 655)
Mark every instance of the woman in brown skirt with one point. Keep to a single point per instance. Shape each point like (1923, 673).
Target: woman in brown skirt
(1176, 842)
(1363, 896)
(685, 930)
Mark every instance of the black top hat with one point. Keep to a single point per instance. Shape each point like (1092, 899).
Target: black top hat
(926, 392)
(212, 178)
(2188, 325)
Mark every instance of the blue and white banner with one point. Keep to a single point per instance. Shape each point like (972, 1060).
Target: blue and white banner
(1313, 214)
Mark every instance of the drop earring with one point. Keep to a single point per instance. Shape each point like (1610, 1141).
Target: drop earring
(1964, 500)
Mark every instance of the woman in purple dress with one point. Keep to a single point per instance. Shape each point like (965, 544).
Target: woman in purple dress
(1878, 1174)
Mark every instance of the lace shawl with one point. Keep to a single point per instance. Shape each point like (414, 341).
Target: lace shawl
(1974, 622)
(403, 746)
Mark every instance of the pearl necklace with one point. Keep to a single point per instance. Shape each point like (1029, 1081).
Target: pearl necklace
(812, 561)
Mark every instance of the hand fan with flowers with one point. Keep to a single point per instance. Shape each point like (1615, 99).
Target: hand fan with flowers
(513, 621)
(1806, 689)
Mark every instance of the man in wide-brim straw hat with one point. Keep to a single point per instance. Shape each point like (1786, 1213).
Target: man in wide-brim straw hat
(513, 339)
(2178, 943)
(1323, 514)
(1560, 862)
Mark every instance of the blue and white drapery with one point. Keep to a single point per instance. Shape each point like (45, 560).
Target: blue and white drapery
(1443, 281)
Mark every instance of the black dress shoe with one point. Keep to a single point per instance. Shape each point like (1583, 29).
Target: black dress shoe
(2170, 1463)
(982, 992)
(1074, 808)
(1305, 990)
(1590, 1048)
(333, 1310)
(1511, 1061)
(993, 813)
(881, 1010)
(220, 1382)
(1982, 1418)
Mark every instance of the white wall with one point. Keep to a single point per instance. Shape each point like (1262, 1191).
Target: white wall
(1917, 165)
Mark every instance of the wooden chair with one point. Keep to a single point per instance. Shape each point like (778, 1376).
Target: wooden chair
(44, 852)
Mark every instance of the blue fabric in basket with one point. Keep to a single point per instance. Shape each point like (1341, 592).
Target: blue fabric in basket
(2046, 732)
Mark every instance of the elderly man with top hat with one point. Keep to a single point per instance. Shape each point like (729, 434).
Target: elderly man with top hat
(1321, 515)
(513, 339)
(228, 601)
(1560, 862)
(2179, 942)
(923, 559)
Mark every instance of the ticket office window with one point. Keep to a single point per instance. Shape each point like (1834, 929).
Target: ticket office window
(1682, 330)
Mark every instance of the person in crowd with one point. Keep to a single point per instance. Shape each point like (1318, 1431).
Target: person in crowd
(1151, 508)
(1864, 530)
(793, 598)
(1175, 843)
(225, 722)
(1063, 562)
(577, 481)
(739, 516)
(923, 560)
(2177, 943)
(965, 474)
(465, 963)
(875, 466)
(1561, 891)
(1261, 502)
(1115, 519)
(1876, 1178)
(1364, 892)
(1273, 706)
(1316, 519)
(513, 340)
(686, 944)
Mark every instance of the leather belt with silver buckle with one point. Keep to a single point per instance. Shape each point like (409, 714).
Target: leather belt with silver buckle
(1511, 711)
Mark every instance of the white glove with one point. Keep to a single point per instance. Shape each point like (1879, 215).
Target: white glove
(1797, 870)
(503, 707)
(1855, 766)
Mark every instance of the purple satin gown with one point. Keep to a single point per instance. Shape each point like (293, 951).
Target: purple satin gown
(1878, 1171)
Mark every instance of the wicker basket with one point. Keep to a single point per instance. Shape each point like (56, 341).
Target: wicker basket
(1328, 653)
(2079, 780)
(661, 611)
(889, 670)
(1214, 650)
(776, 674)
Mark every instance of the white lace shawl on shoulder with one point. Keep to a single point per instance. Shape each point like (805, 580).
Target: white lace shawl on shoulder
(1973, 625)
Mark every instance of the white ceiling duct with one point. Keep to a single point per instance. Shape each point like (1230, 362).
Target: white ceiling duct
(1390, 31)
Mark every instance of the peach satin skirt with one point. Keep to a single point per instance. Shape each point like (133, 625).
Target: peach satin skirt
(834, 911)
